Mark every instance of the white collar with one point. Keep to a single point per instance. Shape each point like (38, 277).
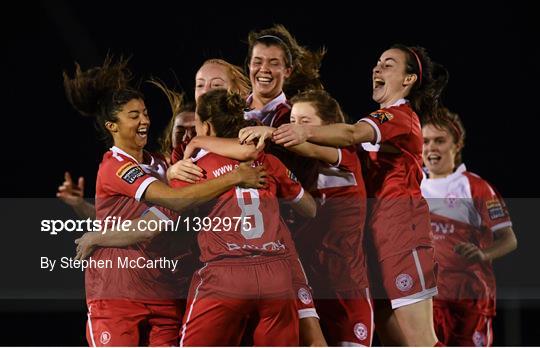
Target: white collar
(270, 106)
(399, 102)
(458, 172)
(116, 149)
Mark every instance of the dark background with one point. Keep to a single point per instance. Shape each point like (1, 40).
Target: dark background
(490, 49)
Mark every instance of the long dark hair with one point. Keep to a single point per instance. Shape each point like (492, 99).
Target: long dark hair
(224, 110)
(101, 92)
(426, 92)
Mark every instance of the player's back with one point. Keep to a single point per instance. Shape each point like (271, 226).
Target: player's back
(243, 223)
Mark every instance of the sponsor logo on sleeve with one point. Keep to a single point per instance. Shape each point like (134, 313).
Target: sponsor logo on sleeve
(129, 172)
(382, 116)
(495, 209)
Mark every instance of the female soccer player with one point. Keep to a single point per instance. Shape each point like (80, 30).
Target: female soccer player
(471, 228)
(133, 306)
(247, 272)
(331, 245)
(399, 219)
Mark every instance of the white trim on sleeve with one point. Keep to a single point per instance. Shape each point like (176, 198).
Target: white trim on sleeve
(340, 158)
(158, 213)
(375, 127)
(143, 187)
(299, 196)
(501, 225)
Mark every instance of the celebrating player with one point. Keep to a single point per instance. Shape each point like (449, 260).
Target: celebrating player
(134, 306)
(471, 228)
(399, 219)
(246, 273)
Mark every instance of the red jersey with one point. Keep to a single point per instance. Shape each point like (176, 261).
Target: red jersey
(261, 229)
(464, 209)
(274, 114)
(398, 173)
(121, 182)
(399, 219)
(332, 243)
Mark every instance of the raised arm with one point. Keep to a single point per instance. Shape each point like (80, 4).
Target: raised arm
(226, 147)
(73, 195)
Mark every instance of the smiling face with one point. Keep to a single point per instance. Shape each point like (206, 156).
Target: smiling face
(268, 71)
(211, 76)
(439, 151)
(390, 79)
(304, 113)
(130, 131)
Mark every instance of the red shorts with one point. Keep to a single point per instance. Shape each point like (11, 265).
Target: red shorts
(223, 297)
(406, 278)
(304, 293)
(133, 323)
(456, 324)
(347, 320)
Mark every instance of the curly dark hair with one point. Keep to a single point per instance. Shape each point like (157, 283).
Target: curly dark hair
(101, 92)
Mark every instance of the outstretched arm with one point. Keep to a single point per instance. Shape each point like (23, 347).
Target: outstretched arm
(226, 147)
(337, 135)
(326, 154)
(188, 197)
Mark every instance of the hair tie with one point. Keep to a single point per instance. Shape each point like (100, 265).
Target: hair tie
(278, 39)
(419, 64)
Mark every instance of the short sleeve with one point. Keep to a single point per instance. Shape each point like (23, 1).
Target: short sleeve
(288, 186)
(347, 158)
(124, 177)
(490, 205)
(387, 124)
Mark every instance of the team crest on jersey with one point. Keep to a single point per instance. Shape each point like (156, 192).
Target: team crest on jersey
(451, 200)
(479, 339)
(105, 337)
(304, 296)
(495, 209)
(360, 331)
(404, 282)
(382, 116)
(129, 172)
